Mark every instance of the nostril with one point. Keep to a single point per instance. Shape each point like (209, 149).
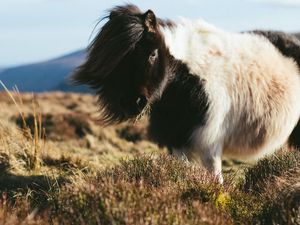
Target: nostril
(138, 101)
(141, 101)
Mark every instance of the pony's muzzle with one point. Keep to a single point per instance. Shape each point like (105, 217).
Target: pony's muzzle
(141, 102)
(133, 106)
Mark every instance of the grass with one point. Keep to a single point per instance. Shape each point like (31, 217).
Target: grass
(117, 176)
(271, 167)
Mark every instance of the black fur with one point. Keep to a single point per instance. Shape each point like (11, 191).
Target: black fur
(289, 46)
(125, 64)
(294, 139)
(181, 108)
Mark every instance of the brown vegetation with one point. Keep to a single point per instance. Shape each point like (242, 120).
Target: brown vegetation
(59, 166)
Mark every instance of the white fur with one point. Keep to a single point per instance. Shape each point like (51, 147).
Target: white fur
(252, 89)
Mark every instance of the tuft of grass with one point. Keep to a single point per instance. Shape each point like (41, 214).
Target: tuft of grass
(153, 170)
(269, 167)
(33, 135)
(21, 212)
(287, 207)
(243, 207)
(4, 162)
(282, 199)
(66, 163)
(127, 203)
(144, 190)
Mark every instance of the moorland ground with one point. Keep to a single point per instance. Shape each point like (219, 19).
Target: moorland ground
(58, 165)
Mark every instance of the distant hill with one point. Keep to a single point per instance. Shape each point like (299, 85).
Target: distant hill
(45, 76)
(50, 75)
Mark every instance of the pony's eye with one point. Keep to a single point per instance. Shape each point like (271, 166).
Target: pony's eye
(153, 56)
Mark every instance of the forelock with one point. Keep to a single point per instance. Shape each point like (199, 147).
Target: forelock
(117, 38)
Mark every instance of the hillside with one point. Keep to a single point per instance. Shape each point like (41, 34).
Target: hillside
(58, 165)
(50, 75)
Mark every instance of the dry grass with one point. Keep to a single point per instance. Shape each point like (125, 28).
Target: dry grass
(82, 173)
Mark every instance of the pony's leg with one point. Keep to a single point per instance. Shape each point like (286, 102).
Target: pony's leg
(179, 154)
(211, 159)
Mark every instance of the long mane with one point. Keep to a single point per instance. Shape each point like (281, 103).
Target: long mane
(115, 40)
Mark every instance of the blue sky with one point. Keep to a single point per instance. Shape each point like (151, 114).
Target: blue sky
(36, 30)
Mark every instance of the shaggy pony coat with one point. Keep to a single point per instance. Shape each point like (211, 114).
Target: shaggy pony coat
(211, 93)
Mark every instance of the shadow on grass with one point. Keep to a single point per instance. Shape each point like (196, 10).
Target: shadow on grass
(66, 164)
(38, 189)
(11, 182)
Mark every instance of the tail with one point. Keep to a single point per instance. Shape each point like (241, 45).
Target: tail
(289, 46)
(294, 139)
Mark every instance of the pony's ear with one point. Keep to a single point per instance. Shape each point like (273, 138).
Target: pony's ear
(150, 21)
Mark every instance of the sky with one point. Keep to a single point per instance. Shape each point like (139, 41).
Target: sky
(37, 30)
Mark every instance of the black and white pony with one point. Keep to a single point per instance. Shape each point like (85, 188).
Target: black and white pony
(211, 93)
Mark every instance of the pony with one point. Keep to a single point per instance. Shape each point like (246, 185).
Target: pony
(208, 93)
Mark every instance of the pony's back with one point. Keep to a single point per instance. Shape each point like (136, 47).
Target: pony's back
(289, 46)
